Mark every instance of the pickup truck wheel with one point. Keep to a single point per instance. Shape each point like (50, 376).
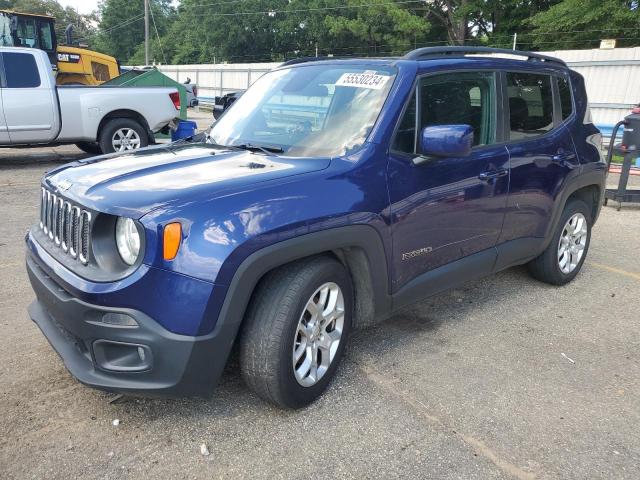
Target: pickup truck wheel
(563, 258)
(121, 135)
(295, 331)
(89, 147)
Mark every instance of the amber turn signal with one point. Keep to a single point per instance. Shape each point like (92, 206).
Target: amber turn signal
(172, 238)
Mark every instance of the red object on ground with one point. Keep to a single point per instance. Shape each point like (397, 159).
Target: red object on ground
(618, 169)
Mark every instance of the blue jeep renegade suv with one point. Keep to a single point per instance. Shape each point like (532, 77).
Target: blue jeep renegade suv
(330, 195)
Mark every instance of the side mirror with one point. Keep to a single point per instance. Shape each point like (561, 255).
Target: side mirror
(445, 141)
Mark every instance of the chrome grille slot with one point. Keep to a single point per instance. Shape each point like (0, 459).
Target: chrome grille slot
(47, 212)
(66, 214)
(83, 236)
(75, 217)
(43, 208)
(68, 226)
(58, 221)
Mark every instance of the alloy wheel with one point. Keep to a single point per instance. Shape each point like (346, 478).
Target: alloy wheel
(318, 334)
(572, 243)
(125, 139)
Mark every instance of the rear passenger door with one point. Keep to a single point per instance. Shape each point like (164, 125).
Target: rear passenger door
(29, 103)
(541, 150)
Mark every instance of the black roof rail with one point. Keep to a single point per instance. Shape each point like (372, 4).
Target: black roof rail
(294, 61)
(435, 52)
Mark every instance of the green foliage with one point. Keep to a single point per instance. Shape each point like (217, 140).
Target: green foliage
(379, 29)
(207, 31)
(121, 27)
(588, 21)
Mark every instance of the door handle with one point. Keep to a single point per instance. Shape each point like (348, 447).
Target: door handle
(486, 176)
(563, 159)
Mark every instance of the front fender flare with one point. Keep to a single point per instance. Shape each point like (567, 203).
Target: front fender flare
(256, 265)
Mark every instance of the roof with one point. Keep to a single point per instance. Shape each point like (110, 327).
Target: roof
(35, 15)
(440, 53)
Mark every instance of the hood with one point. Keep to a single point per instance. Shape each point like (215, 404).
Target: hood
(135, 183)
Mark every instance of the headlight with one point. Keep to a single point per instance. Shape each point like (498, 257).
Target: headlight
(127, 240)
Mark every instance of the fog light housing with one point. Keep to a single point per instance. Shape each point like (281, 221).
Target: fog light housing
(122, 357)
(119, 319)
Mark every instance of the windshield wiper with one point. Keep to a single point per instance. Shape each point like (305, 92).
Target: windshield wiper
(195, 138)
(267, 149)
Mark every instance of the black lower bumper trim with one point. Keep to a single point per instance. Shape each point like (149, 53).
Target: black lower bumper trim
(181, 365)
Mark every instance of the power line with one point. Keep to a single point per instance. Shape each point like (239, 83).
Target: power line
(273, 12)
(122, 24)
(309, 51)
(157, 34)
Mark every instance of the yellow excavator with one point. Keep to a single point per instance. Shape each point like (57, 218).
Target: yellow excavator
(73, 65)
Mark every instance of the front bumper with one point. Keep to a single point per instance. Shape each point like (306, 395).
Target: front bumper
(103, 355)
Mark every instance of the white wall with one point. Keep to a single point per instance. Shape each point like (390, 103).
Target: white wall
(218, 79)
(612, 78)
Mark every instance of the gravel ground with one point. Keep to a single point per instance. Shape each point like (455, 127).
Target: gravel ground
(504, 378)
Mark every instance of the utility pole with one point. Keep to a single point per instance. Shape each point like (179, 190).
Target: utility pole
(515, 39)
(146, 32)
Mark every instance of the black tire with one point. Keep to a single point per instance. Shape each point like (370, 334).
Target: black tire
(271, 324)
(546, 267)
(89, 147)
(113, 125)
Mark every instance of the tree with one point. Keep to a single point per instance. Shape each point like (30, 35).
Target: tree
(381, 29)
(121, 27)
(582, 23)
(453, 15)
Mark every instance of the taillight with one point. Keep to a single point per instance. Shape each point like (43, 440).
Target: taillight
(195, 91)
(175, 98)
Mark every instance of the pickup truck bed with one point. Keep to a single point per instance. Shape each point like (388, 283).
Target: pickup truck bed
(33, 111)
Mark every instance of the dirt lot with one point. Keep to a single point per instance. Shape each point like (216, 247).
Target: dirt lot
(504, 378)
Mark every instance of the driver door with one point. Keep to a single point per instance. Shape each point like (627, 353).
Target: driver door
(444, 209)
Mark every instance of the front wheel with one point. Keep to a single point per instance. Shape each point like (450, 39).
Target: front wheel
(563, 258)
(295, 331)
(121, 135)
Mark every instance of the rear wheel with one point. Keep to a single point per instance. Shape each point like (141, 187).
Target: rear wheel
(89, 147)
(296, 330)
(563, 258)
(121, 135)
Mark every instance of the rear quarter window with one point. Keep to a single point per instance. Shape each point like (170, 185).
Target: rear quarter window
(20, 70)
(530, 105)
(566, 103)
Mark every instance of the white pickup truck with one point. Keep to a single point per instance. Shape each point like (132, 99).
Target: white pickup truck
(33, 111)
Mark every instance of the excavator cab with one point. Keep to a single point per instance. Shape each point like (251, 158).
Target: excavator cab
(73, 65)
(26, 30)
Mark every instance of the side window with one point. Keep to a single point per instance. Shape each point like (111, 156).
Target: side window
(100, 71)
(530, 105)
(26, 33)
(20, 70)
(405, 139)
(460, 98)
(46, 36)
(566, 105)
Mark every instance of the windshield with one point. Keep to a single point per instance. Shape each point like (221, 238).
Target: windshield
(317, 110)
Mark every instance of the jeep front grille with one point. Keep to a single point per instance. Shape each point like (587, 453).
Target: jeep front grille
(66, 225)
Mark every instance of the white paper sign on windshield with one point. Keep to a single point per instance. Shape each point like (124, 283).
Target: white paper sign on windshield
(362, 80)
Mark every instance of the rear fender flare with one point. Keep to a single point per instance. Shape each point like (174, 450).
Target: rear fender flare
(594, 177)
